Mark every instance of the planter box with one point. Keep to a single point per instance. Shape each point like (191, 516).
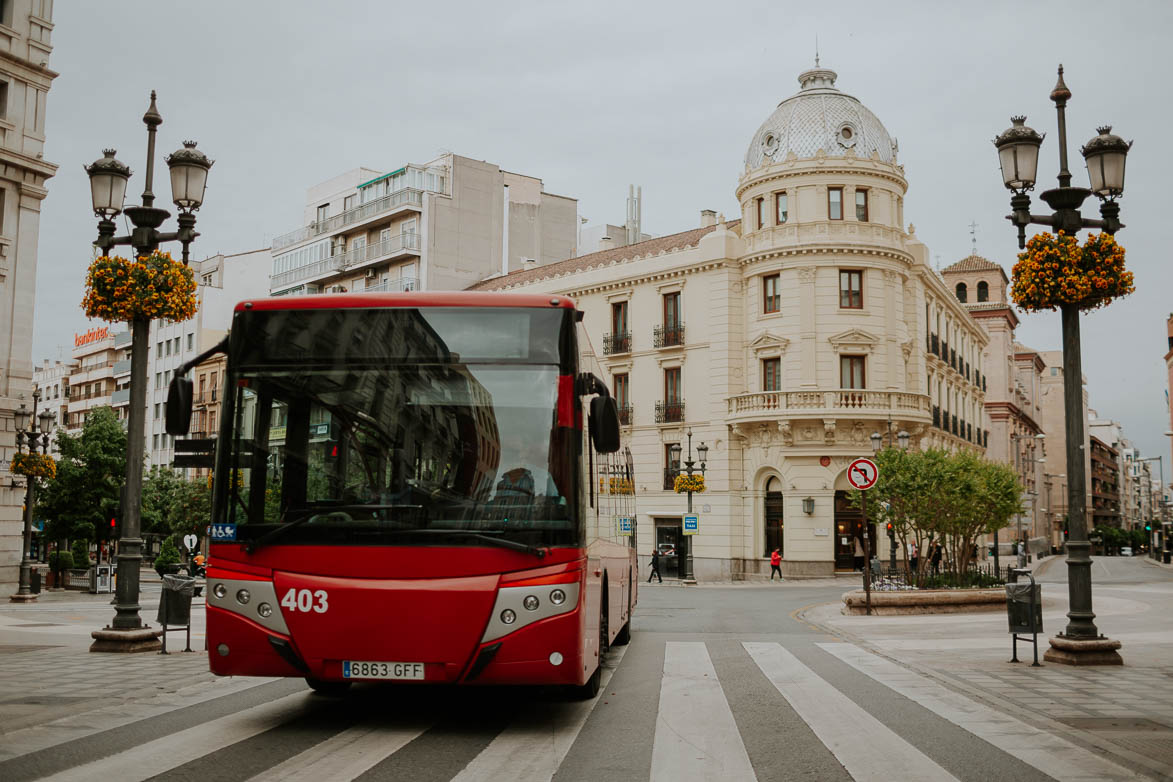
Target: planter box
(926, 601)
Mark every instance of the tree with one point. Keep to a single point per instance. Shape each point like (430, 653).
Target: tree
(937, 497)
(161, 487)
(90, 472)
(191, 508)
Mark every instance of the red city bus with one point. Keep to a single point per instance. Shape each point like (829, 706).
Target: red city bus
(404, 489)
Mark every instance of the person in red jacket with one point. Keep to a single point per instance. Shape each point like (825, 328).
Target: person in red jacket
(776, 565)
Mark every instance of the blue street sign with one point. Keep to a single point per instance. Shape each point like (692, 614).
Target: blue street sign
(223, 533)
(692, 524)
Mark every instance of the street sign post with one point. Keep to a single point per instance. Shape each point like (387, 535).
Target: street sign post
(189, 542)
(692, 524)
(862, 474)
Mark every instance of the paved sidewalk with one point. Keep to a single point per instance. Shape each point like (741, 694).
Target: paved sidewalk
(1124, 711)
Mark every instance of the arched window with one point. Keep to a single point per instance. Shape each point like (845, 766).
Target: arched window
(983, 291)
(773, 517)
(961, 292)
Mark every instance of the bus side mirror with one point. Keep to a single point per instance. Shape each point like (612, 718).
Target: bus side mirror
(604, 424)
(178, 407)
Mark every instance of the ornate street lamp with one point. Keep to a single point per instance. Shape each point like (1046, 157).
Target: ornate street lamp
(702, 450)
(28, 433)
(108, 179)
(1081, 642)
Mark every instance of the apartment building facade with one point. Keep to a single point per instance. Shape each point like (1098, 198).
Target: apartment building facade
(1013, 393)
(26, 29)
(1054, 419)
(783, 340)
(1105, 485)
(52, 380)
(442, 225)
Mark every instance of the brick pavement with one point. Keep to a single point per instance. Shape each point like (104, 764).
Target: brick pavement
(1124, 711)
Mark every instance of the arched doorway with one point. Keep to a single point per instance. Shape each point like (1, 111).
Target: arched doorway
(774, 526)
(849, 551)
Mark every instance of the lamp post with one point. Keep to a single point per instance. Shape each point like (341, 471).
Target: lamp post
(27, 432)
(1021, 470)
(903, 438)
(108, 179)
(1018, 155)
(702, 451)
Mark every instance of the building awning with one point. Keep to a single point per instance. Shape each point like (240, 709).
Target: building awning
(381, 178)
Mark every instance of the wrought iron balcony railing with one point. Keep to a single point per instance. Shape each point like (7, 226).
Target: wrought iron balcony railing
(669, 412)
(625, 415)
(668, 335)
(619, 342)
(405, 197)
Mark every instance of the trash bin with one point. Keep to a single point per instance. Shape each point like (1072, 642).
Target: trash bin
(35, 581)
(1166, 557)
(175, 605)
(1018, 607)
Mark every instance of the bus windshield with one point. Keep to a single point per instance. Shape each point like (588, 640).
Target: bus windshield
(423, 426)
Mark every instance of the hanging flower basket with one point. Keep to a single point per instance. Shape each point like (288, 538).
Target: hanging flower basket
(36, 465)
(1055, 270)
(685, 483)
(153, 286)
(615, 486)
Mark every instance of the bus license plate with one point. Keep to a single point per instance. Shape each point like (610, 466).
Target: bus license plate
(353, 669)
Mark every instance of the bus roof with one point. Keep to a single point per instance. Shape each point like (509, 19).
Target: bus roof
(360, 300)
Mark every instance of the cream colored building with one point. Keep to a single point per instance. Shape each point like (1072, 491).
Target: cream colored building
(52, 380)
(1013, 391)
(1055, 459)
(26, 28)
(442, 225)
(782, 340)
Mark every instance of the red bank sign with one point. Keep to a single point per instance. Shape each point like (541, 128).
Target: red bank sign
(93, 335)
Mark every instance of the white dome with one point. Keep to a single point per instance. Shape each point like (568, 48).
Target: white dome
(818, 117)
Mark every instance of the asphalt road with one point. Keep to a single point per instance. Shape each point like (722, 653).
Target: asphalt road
(718, 682)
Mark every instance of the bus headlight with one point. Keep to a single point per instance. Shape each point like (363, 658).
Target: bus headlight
(530, 603)
(265, 610)
(557, 597)
(508, 617)
(242, 596)
(219, 591)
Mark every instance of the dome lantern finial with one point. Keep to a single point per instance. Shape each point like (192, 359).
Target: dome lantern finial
(817, 77)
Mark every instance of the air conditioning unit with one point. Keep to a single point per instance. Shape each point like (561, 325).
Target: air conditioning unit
(371, 274)
(337, 289)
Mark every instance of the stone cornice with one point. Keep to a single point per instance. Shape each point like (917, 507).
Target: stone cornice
(827, 249)
(1007, 313)
(38, 166)
(812, 166)
(1001, 411)
(34, 74)
(659, 276)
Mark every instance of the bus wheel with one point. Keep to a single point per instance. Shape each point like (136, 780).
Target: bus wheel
(330, 689)
(589, 690)
(623, 637)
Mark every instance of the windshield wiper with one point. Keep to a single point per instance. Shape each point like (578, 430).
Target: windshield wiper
(253, 545)
(536, 551)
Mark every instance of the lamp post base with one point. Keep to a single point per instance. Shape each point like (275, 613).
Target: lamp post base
(126, 641)
(688, 582)
(22, 598)
(1091, 651)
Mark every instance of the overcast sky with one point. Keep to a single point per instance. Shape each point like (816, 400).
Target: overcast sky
(590, 98)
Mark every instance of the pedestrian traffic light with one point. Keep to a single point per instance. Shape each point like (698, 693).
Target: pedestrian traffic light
(890, 528)
(1148, 526)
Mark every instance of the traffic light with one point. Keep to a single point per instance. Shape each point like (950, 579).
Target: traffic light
(891, 529)
(1148, 526)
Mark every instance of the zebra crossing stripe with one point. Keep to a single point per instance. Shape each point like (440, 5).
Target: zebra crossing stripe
(345, 755)
(1048, 753)
(868, 749)
(696, 736)
(532, 749)
(163, 754)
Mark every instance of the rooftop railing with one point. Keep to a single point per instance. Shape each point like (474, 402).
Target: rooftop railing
(405, 197)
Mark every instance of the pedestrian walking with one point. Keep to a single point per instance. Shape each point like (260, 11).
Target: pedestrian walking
(858, 556)
(776, 565)
(936, 560)
(914, 557)
(655, 567)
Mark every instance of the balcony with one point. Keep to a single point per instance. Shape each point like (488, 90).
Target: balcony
(122, 367)
(936, 416)
(767, 405)
(669, 412)
(401, 198)
(616, 343)
(204, 397)
(625, 415)
(668, 335)
(120, 397)
(400, 285)
(402, 244)
(933, 344)
(670, 478)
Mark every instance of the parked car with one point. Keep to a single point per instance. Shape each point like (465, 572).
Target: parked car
(1126, 551)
